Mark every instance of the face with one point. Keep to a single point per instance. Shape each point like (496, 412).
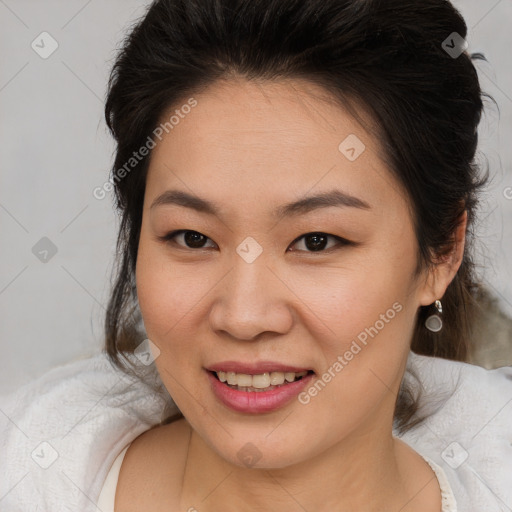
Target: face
(252, 287)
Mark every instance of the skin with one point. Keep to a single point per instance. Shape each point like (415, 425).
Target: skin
(250, 147)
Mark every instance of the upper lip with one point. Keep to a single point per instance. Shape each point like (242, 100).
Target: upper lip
(255, 368)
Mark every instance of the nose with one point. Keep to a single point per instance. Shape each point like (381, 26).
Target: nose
(252, 300)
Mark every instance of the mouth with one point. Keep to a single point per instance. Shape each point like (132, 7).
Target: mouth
(259, 391)
(258, 383)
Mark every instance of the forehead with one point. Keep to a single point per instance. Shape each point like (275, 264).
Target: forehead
(285, 111)
(280, 138)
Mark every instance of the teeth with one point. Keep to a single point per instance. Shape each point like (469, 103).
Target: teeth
(261, 381)
(276, 378)
(244, 380)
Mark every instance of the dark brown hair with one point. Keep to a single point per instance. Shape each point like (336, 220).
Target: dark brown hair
(390, 56)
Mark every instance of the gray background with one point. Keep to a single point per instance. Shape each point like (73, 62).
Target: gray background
(55, 150)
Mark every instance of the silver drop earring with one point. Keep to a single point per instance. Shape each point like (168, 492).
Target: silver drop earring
(434, 322)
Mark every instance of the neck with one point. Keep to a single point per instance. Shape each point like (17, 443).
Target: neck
(368, 471)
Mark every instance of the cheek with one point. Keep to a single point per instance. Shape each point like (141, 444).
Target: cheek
(169, 298)
(371, 319)
(363, 360)
(354, 301)
(168, 294)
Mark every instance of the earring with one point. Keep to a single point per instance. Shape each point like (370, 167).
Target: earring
(434, 322)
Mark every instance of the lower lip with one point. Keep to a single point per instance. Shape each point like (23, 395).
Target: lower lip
(257, 401)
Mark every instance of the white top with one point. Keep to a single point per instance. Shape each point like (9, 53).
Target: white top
(108, 492)
(61, 433)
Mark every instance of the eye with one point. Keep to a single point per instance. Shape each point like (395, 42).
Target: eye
(192, 239)
(317, 241)
(314, 242)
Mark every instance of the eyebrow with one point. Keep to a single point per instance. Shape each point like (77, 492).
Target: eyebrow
(335, 198)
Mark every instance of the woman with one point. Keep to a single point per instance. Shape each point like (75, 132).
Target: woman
(297, 190)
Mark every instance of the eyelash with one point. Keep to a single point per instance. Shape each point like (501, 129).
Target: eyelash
(169, 238)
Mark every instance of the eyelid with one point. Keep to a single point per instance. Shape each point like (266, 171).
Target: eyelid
(169, 238)
(341, 242)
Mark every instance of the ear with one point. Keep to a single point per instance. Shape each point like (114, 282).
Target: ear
(444, 268)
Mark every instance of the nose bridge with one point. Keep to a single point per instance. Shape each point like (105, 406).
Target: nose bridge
(250, 263)
(250, 274)
(251, 299)
(249, 289)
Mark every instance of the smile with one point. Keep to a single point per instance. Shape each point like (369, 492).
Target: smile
(257, 393)
(258, 383)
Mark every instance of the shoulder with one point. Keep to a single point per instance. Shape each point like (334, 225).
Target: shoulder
(153, 467)
(63, 430)
(473, 392)
(468, 427)
(155, 445)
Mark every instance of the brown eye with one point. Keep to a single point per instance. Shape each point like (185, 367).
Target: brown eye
(313, 242)
(191, 239)
(317, 242)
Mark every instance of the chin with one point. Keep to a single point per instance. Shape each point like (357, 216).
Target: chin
(260, 448)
